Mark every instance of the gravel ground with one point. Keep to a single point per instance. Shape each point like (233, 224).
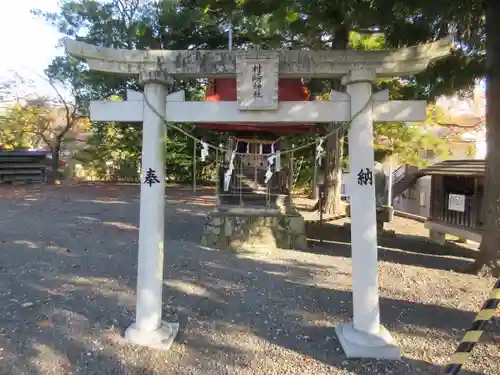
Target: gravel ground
(67, 277)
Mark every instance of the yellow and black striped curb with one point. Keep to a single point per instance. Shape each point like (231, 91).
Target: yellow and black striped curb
(474, 333)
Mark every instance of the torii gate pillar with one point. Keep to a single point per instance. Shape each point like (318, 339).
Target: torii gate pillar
(149, 329)
(364, 337)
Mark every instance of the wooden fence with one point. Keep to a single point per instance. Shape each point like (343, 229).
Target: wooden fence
(469, 218)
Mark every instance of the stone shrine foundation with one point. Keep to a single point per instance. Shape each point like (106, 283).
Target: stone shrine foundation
(254, 229)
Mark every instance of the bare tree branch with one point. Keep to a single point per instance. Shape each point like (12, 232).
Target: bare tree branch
(61, 98)
(43, 120)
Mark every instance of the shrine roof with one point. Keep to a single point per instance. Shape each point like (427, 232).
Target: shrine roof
(469, 167)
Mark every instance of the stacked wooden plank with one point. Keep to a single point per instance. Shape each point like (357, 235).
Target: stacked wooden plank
(23, 167)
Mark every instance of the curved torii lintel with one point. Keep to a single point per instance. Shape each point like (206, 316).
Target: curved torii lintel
(292, 63)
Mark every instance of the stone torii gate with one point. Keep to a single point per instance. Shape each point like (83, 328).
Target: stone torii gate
(364, 337)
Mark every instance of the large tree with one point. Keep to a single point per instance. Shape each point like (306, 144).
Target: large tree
(488, 261)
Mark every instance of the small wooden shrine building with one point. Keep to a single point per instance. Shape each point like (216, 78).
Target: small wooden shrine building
(457, 190)
(252, 144)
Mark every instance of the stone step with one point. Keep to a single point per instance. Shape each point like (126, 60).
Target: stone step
(257, 203)
(244, 192)
(260, 189)
(244, 187)
(254, 199)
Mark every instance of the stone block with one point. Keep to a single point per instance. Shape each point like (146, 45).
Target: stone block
(299, 242)
(296, 225)
(385, 214)
(210, 239)
(390, 233)
(380, 226)
(363, 345)
(216, 221)
(204, 240)
(162, 338)
(437, 237)
(212, 229)
(228, 227)
(255, 230)
(282, 240)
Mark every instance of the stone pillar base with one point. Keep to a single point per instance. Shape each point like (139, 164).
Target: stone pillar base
(437, 237)
(358, 344)
(161, 339)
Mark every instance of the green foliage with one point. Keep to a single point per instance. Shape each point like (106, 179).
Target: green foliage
(25, 127)
(112, 152)
(202, 24)
(10, 139)
(411, 144)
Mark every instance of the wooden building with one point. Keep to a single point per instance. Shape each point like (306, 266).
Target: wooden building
(252, 144)
(457, 190)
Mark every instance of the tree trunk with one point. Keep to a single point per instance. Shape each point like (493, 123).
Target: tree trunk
(488, 260)
(335, 143)
(56, 151)
(314, 193)
(333, 171)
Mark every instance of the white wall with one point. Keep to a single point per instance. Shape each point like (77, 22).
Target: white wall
(481, 150)
(416, 200)
(344, 189)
